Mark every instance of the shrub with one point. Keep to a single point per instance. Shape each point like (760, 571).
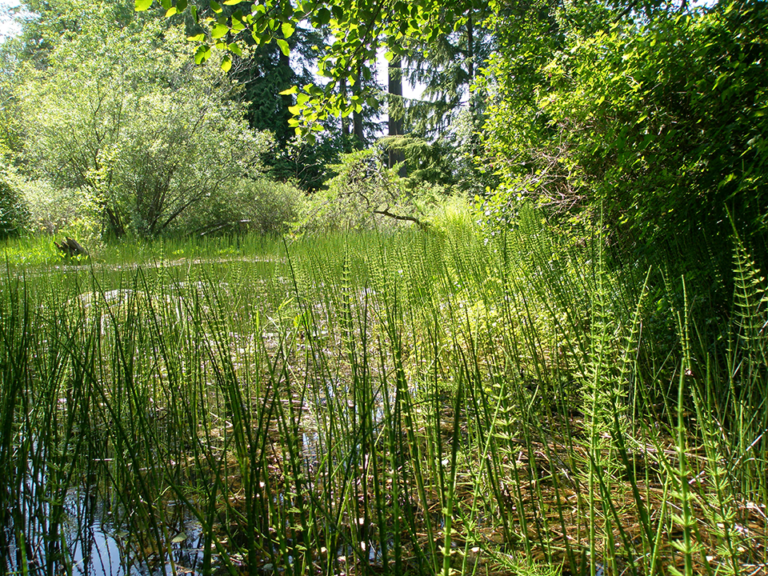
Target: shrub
(364, 194)
(128, 121)
(659, 125)
(259, 205)
(14, 215)
(54, 210)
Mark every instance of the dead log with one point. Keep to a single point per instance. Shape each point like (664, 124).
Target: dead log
(71, 247)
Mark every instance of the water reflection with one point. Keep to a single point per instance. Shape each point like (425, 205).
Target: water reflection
(94, 542)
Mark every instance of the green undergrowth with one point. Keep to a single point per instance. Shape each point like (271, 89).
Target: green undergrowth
(417, 403)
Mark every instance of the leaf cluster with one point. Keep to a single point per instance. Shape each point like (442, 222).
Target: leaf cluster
(359, 30)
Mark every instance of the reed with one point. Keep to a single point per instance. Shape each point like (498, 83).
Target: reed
(415, 403)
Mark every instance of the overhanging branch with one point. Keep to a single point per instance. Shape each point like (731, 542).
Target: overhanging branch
(386, 212)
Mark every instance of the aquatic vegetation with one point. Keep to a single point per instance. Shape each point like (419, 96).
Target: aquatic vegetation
(415, 403)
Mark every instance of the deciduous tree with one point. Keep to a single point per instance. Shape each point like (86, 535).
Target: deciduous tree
(126, 118)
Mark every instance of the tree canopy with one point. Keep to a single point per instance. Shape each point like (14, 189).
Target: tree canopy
(117, 112)
(359, 30)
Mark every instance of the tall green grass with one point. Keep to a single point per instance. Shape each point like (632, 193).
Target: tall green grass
(425, 403)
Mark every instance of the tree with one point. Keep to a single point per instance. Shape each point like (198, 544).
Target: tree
(126, 118)
(448, 66)
(13, 210)
(359, 29)
(10, 122)
(442, 126)
(394, 108)
(264, 70)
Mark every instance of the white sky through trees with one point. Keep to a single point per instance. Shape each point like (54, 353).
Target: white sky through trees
(8, 27)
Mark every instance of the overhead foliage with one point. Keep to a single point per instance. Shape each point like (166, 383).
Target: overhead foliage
(359, 30)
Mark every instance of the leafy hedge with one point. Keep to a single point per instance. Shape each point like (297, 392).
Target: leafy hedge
(13, 210)
(660, 125)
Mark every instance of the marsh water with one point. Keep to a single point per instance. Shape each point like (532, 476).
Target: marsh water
(92, 538)
(62, 523)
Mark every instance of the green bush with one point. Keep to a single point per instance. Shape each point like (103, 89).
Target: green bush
(125, 118)
(364, 195)
(660, 125)
(54, 210)
(14, 215)
(259, 205)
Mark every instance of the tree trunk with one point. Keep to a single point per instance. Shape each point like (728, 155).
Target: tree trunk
(471, 62)
(395, 107)
(344, 119)
(286, 100)
(357, 118)
(71, 247)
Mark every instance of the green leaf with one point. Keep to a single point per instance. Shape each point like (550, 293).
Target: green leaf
(231, 2)
(202, 54)
(142, 5)
(181, 5)
(196, 38)
(166, 4)
(237, 25)
(216, 7)
(291, 90)
(324, 16)
(193, 9)
(226, 63)
(287, 29)
(284, 47)
(219, 30)
(170, 12)
(294, 110)
(389, 55)
(301, 99)
(234, 47)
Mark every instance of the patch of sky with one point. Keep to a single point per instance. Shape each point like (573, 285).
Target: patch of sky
(9, 26)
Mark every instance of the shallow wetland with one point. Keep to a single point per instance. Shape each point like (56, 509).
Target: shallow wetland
(419, 403)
